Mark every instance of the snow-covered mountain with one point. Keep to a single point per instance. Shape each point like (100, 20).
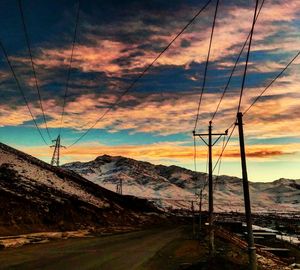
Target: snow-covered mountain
(35, 196)
(173, 186)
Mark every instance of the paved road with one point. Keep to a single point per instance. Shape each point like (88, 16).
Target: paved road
(130, 251)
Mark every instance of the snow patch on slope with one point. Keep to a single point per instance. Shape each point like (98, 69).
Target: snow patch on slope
(33, 173)
(174, 187)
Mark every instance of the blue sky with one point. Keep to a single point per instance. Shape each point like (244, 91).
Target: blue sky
(115, 41)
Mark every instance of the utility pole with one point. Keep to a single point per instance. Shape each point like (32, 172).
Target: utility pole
(193, 216)
(56, 152)
(251, 246)
(200, 209)
(210, 144)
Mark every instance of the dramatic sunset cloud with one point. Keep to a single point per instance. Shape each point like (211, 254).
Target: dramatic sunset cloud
(115, 42)
(165, 151)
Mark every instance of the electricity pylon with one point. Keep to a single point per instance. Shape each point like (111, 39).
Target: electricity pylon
(120, 187)
(56, 152)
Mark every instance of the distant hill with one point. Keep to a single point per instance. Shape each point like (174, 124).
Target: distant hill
(35, 196)
(172, 182)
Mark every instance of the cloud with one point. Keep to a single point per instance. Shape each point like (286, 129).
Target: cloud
(173, 113)
(262, 153)
(165, 153)
(105, 48)
(111, 51)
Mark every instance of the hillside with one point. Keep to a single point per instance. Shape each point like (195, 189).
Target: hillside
(34, 196)
(176, 186)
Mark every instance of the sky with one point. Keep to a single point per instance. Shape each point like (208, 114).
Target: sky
(154, 121)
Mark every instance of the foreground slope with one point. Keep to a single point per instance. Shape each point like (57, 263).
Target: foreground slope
(176, 186)
(35, 196)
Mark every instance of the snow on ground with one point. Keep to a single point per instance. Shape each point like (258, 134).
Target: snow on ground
(146, 191)
(31, 172)
(146, 180)
(282, 236)
(289, 238)
(41, 237)
(151, 189)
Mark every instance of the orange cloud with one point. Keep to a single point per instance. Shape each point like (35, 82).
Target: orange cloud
(165, 153)
(175, 113)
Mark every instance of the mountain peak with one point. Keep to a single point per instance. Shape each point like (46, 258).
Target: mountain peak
(104, 158)
(286, 181)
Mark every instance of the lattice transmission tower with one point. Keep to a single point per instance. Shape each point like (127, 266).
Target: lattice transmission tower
(56, 152)
(119, 187)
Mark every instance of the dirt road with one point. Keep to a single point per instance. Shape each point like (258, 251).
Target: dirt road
(150, 249)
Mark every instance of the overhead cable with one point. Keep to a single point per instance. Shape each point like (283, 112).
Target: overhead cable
(21, 90)
(134, 82)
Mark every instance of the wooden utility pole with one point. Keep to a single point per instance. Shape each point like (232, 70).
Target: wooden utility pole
(193, 216)
(210, 145)
(210, 194)
(200, 209)
(251, 246)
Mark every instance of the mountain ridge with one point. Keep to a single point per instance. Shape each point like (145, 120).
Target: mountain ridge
(144, 179)
(109, 157)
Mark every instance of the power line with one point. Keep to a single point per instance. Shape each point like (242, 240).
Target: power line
(219, 168)
(32, 65)
(195, 155)
(206, 176)
(142, 73)
(202, 89)
(70, 67)
(226, 87)
(206, 172)
(21, 90)
(223, 144)
(206, 64)
(269, 85)
(235, 65)
(253, 103)
(195, 162)
(222, 152)
(247, 58)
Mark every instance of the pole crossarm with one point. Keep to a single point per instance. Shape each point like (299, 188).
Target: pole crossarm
(213, 134)
(201, 135)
